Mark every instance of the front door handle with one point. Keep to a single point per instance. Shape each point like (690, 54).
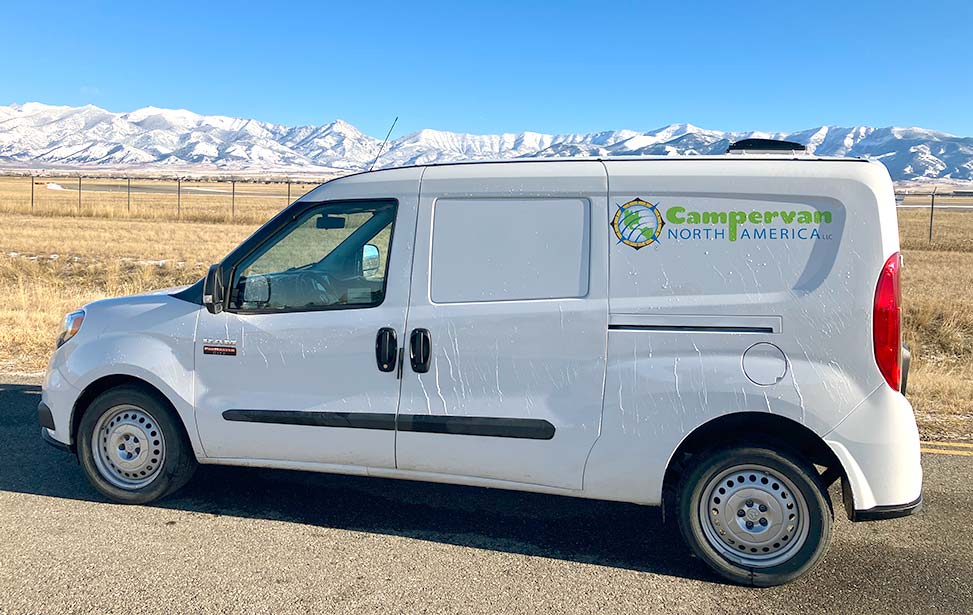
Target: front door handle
(386, 348)
(419, 350)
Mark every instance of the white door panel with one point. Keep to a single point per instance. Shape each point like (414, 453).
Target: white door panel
(515, 383)
(322, 362)
(305, 386)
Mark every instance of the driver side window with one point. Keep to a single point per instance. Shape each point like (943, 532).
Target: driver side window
(333, 256)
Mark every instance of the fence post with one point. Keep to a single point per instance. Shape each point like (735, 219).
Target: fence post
(233, 199)
(932, 206)
(79, 195)
(178, 198)
(129, 202)
(288, 192)
(31, 194)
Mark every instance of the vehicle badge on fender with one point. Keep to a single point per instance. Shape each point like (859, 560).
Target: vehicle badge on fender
(222, 347)
(219, 342)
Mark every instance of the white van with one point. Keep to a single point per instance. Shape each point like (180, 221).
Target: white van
(716, 335)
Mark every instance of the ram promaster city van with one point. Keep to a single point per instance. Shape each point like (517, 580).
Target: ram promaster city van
(716, 335)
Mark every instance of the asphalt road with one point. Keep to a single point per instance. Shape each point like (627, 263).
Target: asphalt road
(261, 541)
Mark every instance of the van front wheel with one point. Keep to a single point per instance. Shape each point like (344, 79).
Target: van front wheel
(132, 448)
(758, 516)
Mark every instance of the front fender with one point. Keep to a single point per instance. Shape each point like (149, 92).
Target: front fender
(163, 361)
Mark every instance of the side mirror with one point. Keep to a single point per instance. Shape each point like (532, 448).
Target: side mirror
(213, 290)
(256, 289)
(370, 259)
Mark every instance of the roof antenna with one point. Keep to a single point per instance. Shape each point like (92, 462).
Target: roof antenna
(387, 135)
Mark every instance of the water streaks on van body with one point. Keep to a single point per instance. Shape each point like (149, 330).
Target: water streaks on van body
(696, 301)
(508, 267)
(613, 355)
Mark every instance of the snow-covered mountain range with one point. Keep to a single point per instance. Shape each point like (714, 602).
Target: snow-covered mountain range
(38, 136)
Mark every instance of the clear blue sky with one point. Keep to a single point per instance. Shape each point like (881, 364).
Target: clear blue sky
(495, 66)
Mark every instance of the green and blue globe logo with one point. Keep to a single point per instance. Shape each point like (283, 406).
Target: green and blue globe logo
(638, 223)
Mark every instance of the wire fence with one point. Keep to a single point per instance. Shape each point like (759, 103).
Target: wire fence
(210, 200)
(939, 219)
(936, 219)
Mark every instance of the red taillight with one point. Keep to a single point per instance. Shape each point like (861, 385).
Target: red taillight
(887, 322)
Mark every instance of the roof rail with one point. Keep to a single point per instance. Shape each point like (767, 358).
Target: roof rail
(765, 146)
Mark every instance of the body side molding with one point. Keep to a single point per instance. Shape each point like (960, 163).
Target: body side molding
(497, 427)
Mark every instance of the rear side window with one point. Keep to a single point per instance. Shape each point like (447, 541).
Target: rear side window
(509, 249)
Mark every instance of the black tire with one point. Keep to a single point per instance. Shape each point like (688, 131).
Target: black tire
(707, 467)
(177, 466)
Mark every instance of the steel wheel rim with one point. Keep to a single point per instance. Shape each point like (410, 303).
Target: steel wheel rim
(128, 447)
(773, 525)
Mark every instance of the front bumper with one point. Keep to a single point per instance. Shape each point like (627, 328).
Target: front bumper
(880, 513)
(58, 397)
(44, 416)
(61, 446)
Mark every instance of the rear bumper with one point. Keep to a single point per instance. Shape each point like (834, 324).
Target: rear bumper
(880, 513)
(878, 447)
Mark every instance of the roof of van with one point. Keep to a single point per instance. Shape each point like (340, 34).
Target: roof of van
(682, 157)
(738, 156)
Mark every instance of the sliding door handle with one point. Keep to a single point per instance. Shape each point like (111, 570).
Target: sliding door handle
(419, 350)
(386, 348)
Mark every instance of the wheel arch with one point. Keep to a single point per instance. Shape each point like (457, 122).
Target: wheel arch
(106, 383)
(752, 428)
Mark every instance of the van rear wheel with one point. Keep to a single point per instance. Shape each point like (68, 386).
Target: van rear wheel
(756, 515)
(132, 448)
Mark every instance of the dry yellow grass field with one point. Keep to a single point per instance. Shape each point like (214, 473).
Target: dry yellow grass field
(50, 265)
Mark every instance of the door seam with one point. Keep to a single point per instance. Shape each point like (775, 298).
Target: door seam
(408, 309)
(604, 378)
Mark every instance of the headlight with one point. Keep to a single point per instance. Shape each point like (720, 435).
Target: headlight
(72, 324)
